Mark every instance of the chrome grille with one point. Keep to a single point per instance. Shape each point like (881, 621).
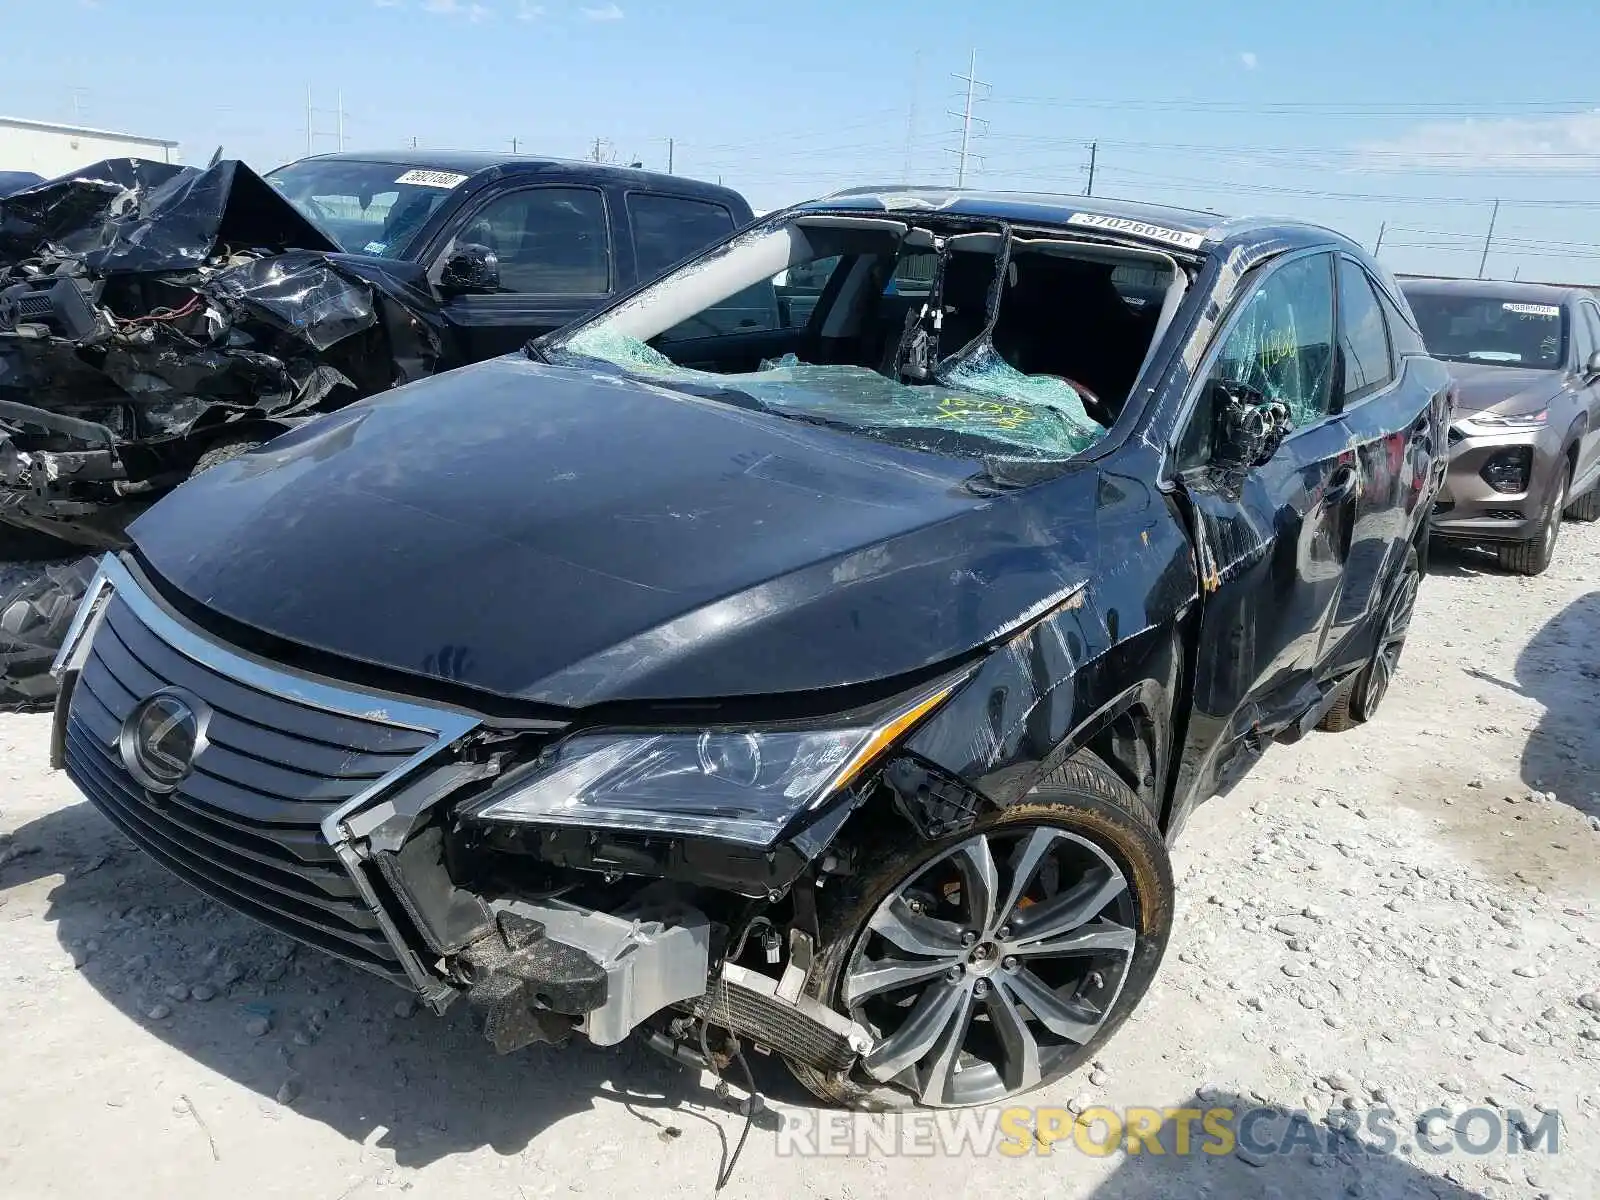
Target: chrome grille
(249, 825)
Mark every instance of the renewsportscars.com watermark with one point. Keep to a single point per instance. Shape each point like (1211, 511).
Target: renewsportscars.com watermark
(1263, 1132)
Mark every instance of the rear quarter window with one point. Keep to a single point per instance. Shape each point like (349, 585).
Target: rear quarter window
(669, 229)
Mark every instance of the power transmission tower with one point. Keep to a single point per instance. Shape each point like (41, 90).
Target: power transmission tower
(312, 112)
(963, 154)
(1094, 149)
(1488, 238)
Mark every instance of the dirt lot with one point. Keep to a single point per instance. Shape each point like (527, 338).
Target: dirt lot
(1408, 915)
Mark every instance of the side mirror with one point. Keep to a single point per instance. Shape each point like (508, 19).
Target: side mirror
(1592, 367)
(1249, 427)
(471, 267)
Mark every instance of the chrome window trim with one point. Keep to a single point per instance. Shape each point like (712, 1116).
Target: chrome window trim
(118, 578)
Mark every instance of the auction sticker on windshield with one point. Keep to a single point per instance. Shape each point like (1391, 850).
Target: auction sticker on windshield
(438, 179)
(1154, 233)
(1532, 310)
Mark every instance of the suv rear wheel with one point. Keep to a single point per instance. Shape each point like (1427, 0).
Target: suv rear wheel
(997, 960)
(1587, 506)
(1360, 699)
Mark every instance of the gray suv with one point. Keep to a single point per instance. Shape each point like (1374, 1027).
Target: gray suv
(1525, 436)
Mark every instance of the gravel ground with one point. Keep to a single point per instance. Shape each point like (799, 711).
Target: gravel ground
(1407, 915)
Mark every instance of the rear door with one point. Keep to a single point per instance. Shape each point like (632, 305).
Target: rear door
(554, 243)
(1271, 540)
(1389, 416)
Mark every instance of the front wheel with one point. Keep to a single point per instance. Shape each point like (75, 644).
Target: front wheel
(998, 960)
(1533, 556)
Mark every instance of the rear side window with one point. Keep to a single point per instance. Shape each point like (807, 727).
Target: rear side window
(1591, 321)
(668, 229)
(1363, 335)
(551, 241)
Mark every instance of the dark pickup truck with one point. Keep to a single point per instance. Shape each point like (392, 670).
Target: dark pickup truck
(154, 319)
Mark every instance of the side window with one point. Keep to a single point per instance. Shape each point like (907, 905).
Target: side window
(551, 241)
(667, 229)
(1591, 322)
(1281, 346)
(1363, 336)
(784, 302)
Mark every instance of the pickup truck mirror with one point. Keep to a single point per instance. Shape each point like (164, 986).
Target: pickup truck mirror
(1249, 427)
(471, 267)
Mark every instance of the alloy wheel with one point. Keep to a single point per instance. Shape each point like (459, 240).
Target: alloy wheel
(1552, 525)
(987, 967)
(1386, 662)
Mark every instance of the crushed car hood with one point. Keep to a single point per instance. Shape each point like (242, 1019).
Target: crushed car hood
(1510, 390)
(570, 538)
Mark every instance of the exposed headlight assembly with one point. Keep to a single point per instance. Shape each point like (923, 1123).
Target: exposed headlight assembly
(738, 785)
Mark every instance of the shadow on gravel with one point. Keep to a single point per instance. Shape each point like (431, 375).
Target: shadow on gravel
(343, 1048)
(1340, 1171)
(1560, 668)
(1461, 560)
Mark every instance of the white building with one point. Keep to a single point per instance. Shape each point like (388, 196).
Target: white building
(49, 150)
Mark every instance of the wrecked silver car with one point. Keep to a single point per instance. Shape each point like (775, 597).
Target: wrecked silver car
(834, 688)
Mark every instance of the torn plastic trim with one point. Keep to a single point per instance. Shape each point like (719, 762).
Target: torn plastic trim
(120, 578)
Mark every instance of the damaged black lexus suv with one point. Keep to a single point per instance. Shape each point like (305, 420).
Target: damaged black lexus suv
(833, 686)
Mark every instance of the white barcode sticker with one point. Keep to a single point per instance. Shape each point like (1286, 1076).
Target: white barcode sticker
(1532, 310)
(1143, 229)
(438, 179)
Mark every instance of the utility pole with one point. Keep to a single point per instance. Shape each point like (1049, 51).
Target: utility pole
(911, 114)
(1488, 239)
(597, 151)
(339, 99)
(671, 146)
(514, 144)
(310, 121)
(1383, 228)
(973, 84)
(1094, 148)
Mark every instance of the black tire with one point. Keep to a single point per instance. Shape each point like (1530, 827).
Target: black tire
(18, 543)
(1533, 557)
(1586, 507)
(1359, 700)
(1084, 798)
(223, 452)
(34, 617)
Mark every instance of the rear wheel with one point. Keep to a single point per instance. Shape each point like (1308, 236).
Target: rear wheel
(1533, 556)
(33, 622)
(1360, 699)
(1587, 506)
(996, 961)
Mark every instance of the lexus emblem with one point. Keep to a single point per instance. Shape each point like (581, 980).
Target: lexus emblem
(162, 737)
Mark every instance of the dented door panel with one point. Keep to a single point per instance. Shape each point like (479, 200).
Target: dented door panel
(1271, 547)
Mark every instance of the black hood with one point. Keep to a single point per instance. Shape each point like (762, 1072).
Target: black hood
(1508, 390)
(570, 538)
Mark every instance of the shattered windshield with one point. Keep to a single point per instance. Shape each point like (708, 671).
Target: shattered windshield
(975, 343)
(367, 207)
(1492, 329)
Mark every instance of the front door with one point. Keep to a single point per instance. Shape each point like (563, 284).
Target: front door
(554, 247)
(1272, 538)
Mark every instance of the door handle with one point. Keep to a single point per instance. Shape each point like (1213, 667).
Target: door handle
(1342, 486)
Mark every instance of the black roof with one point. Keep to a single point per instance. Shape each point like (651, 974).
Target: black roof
(473, 162)
(1049, 208)
(1497, 289)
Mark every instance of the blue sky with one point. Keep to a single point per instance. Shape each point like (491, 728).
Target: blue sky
(1353, 114)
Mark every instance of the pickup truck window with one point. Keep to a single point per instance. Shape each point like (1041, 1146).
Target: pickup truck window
(668, 229)
(551, 241)
(367, 207)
